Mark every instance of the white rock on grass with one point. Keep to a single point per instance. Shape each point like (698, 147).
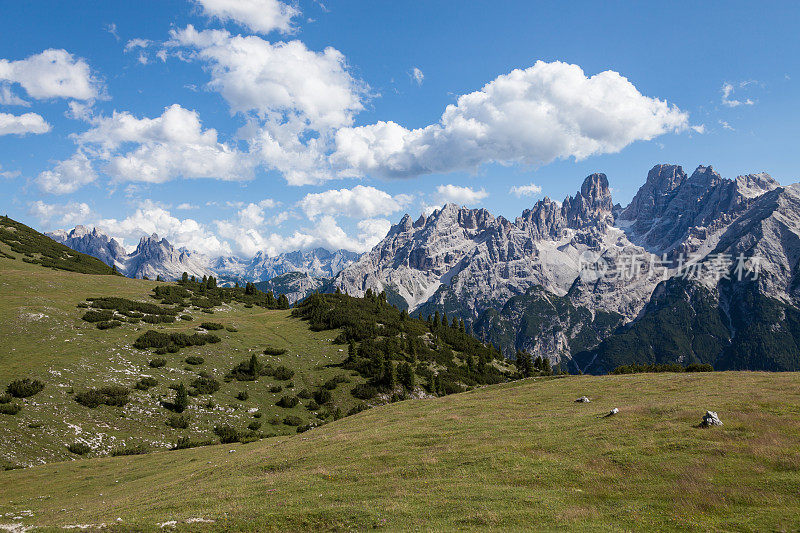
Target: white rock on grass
(583, 399)
(710, 419)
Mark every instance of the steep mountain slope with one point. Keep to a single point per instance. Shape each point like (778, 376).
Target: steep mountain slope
(318, 262)
(91, 241)
(295, 285)
(23, 243)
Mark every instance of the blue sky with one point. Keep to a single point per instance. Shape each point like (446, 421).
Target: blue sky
(236, 126)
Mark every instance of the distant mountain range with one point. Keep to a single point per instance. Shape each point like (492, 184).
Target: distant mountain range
(153, 257)
(697, 268)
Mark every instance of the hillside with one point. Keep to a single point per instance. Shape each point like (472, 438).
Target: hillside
(515, 456)
(106, 359)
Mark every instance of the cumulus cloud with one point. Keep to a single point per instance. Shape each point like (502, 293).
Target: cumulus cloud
(727, 95)
(525, 190)
(173, 145)
(532, 116)
(260, 16)
(293, 97)
(417, 75)
(359, 202)
(52, 74)
(68, 175)
(459, 195)
(7, 97)
(151, 218)
(69, 214)
(23, 124)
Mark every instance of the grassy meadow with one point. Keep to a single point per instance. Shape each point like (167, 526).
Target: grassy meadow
(514, 456)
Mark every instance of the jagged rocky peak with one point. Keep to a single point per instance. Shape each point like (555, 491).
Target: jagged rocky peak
(592, 206)
(91, 241)
(753, 185)
(654, 196)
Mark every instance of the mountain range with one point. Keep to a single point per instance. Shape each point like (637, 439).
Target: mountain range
(584, 282)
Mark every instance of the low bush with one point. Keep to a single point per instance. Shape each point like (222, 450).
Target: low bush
(186, 317)
(10, 408)
(23, 388)
(195, 360)
(146, 382)
(275, 388)
(79, 448)
(364, 391)
(109, 324)
(158, 319)
(179, 421)
(113, 395)
(158, 362)
(242, 396)
(292, 420)
(274, 351)
(185, 443)
(205, 384)
(304, 393)
(312, 406)
(227, 434)
(304, 428)
(254, 426)
(138, 449)
(283, 373)
(211, 326)
(288, 402)
(157, 339)
(5, 398)
(322, 396)
(699, 367)
(231, 329)
(98, 316)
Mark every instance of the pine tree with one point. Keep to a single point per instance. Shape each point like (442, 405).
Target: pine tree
(255, 368)
(283, 302)
(436, 320)
(181, 399)
(185, 277)
(454, 325)
(546, 368)
(159, 278)
(389, 377)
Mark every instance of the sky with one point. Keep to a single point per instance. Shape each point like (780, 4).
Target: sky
(237, 126)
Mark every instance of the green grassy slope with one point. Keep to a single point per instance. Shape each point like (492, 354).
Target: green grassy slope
(513, 456)
(43, 337)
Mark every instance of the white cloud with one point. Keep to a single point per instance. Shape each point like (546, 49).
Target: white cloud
(68, 175)
(7, 97)
(151, 218)
(9, 174)
(69, 214)
(459, 195)
(533, 116)
(294, 97)
(726, 126)
(260, 16)
(52, 74)
(133, 44)
(525, 190)
(112, 29)
(186, 206)
(173, 145)
(727, 93)
(359, 202)
(417, 75)
(23, 124)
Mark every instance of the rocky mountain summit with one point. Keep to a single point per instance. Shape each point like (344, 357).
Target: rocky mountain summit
(590, 285)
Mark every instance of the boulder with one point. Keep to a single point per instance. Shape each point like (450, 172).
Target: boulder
(583, 399)
(710, 419)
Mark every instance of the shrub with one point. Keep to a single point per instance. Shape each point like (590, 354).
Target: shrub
(79, 448)
(304, 428)
(364, 391)
(231, 329)
(288, 401)
(186, 317)
(195, 360)
(207, 311)
(205, 384)
(243, 396)
(312, 406)
(211, 326)
(98, 316)
(5, 398)
(357, 409)
(257, 414)
(274, 351)
(158, 362)
(226, 434)
(283, 373)
(113, 395)
(322, 396)
(304, 393)
(157, 339)
(108, 324)
(292, 420)
(146, 382)
(254, 426)
(181, 399)
(275, 388)
(185, 443)
(9, 408)
(178, 421)
(138, 449)
(23, 388)
(331, 384)
(250, 370)
(698, 367)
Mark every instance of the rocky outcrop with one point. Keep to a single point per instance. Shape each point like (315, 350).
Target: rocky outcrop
(91, 241)
(318, 262)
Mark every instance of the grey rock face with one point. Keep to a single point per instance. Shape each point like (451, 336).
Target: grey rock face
(318, 262)
(91, 241)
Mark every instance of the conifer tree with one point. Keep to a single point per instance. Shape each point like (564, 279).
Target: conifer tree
(181, 399)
